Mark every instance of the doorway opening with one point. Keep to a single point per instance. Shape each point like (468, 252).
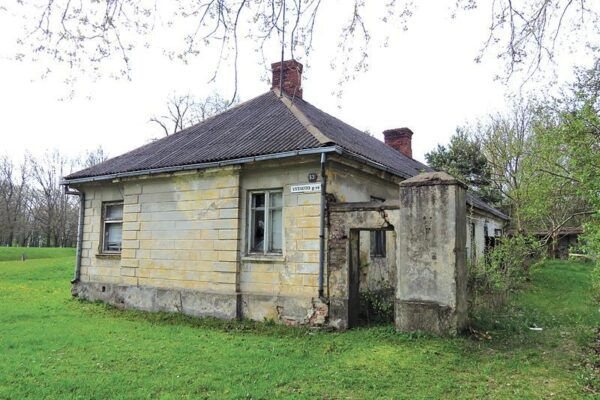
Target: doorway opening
(371, 276)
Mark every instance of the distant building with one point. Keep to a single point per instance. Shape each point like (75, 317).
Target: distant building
(565, 241)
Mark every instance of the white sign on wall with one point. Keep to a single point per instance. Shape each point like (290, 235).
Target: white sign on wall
(306, 188)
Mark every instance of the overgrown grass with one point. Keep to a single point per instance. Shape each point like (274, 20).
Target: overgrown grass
(30, 253)
(55, 347)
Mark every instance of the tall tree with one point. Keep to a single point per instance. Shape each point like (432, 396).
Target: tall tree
(463, 158)
(506, 140)
(13, 199)
(54, 212)
(570, 153)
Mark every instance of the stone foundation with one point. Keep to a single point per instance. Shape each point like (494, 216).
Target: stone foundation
(425, 316)
(297, 311)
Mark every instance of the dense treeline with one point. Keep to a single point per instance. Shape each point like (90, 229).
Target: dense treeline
(539, 161)
(34, 210)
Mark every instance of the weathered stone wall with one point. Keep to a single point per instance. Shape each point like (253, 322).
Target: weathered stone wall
(185, 249)
(94, 267)
(282, 286)
(353, 182)
(180, 232)
(431, 289)
(345, 221)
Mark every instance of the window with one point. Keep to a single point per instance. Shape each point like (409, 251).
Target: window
(112, 227)
(378, 243)
(473, 244)
(377, 237)
(265, 222)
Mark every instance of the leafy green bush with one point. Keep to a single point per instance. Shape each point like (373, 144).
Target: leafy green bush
(503, 269)
(591, 238)
(377, 306)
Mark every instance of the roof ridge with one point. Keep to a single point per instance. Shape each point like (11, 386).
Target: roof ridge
(304, 120)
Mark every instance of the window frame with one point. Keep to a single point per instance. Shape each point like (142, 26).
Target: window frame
(377, 236)
(105, 222)
(267, 230)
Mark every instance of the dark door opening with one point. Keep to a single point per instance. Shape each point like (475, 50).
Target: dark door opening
(371, 278)
(354, 279)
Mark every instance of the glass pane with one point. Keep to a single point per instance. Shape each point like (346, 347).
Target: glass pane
(275, 199)
(114, 211)
(258, 200)
(275, 236)
(378, 243)
(380, 235)
(258, 230)
(112, 237)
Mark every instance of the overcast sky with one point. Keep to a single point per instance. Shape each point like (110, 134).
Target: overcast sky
(426, 79)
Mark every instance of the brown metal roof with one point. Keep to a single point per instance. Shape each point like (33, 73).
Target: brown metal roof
(265, 125)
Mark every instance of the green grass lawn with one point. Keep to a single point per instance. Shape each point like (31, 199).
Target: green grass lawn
(52, 346)
(16, 253)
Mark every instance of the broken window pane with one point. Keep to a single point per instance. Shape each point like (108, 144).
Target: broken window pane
(258, 230)
(266, 222)
(258, 200)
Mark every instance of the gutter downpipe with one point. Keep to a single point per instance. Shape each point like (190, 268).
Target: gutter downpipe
(322, 227)
(79, 231)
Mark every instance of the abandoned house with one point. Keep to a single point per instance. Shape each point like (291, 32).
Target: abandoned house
(276, 210)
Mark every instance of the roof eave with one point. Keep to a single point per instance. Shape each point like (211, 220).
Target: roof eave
(213, 164)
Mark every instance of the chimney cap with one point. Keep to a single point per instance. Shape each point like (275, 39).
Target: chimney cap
(398, 132)
(287, 75)
(287, 63)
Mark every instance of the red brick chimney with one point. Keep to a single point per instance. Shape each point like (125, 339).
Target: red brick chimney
(400, 139)
(292, 77)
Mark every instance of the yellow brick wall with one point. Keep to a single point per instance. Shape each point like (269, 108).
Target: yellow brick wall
(95, 268)
(179, 231)
(295, 272)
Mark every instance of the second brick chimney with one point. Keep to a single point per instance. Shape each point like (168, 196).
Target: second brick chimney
(400, 139)
(292, 77)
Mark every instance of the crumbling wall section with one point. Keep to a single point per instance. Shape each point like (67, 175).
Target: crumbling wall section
(345, 220)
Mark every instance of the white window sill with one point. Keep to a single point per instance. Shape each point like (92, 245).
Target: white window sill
(264, 258)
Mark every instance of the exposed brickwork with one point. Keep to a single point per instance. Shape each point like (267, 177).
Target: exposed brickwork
(292, 77)
(400, 139)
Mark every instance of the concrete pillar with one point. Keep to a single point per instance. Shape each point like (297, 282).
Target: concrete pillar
(431, 255)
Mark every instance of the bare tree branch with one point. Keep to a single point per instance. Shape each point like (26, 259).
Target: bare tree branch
(185, 110)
